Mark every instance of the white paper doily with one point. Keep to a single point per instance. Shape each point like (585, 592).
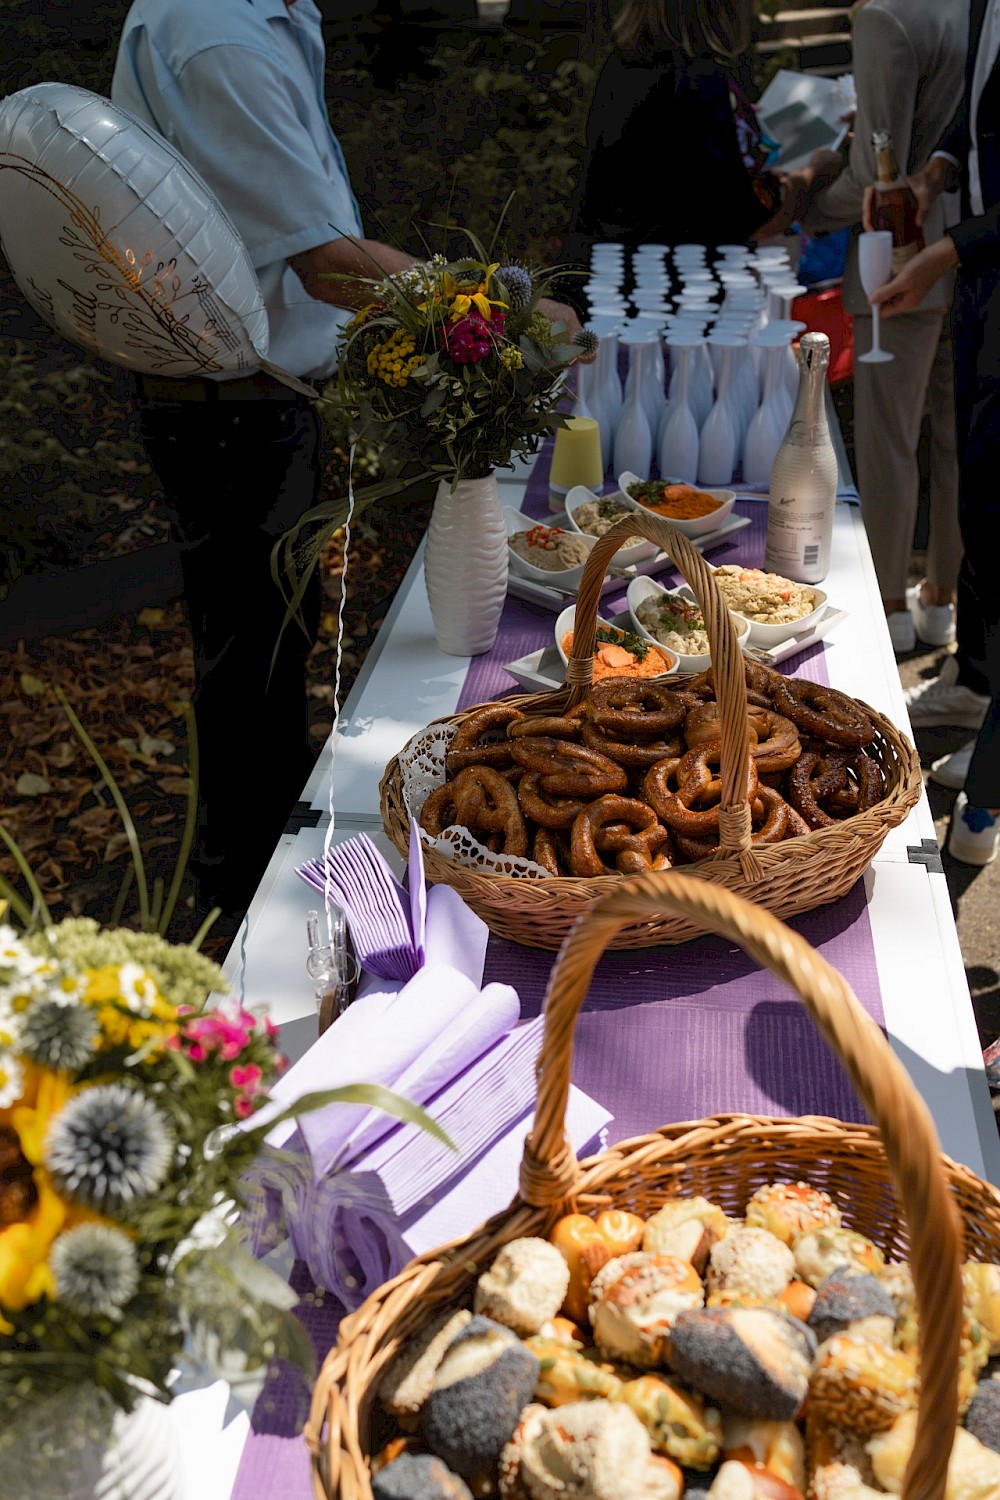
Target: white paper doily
(422, 763)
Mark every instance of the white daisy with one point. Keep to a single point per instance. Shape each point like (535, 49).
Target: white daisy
(11, 1080)
(137, 988)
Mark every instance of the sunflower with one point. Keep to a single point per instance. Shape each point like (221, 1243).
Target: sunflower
(25, 1243)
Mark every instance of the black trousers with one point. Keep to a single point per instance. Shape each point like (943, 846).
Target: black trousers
(977, 401)
(237, 474)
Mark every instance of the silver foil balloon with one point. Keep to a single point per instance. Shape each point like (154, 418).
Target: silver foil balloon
(117, 242)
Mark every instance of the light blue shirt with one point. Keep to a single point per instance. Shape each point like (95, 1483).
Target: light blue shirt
(237, 87)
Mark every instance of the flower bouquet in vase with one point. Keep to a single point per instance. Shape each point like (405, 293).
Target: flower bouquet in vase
(452, 368)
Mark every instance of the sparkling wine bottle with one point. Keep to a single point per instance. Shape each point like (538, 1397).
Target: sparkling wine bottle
(894, 205)
(804, 476)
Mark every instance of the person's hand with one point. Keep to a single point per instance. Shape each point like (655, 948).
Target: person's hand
(824, 166)
(561, 312)
(928, 184)
(906, 291)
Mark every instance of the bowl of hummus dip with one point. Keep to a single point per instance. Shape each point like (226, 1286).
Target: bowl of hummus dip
(546, 554)
(673, 618)
(776, 607)
(618, 651)
(593, 515)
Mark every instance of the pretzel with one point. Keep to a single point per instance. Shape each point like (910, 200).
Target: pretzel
(629, 753)
(569, 770)
(438, 811)
(693, 784)
(485, 803)
(561, 727)
(865, 787)
(759, 683)
(823, 712)
(546, 808)
(550, 850)
(481, 739)
(635, 707)
(622, 827)
(777, 742)
(769, 815)
(811, 780)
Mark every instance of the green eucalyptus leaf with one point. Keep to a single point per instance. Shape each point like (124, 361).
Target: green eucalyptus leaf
(370, 1094)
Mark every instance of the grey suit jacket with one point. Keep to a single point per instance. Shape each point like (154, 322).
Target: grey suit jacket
(909, 72)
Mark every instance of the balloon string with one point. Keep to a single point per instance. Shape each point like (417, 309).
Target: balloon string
(330, 827)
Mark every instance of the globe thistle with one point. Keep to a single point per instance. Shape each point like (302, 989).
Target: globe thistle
(519, 287)
(96, 1270)
(109, 1147)
(59, 1036)
(587, 342)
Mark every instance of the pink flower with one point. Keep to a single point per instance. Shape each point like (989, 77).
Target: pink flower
(242, 1106)
(246, 1078)
(468, 339)
(197, 1053)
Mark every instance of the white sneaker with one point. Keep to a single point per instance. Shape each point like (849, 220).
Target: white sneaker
(951, 770)
(934, 623)
(975, 834)
(901, 631)
(943, 700)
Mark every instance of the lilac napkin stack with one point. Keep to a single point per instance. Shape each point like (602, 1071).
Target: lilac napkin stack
(346, 1178)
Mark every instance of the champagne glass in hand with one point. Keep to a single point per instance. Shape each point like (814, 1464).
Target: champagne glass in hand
(875, 267)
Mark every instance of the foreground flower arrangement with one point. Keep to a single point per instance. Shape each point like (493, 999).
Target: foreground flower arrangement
(456, 364)
(115, 1083)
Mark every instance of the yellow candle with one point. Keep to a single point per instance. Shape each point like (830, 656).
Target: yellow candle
(576, 459)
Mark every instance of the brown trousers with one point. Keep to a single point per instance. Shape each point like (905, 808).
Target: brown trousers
(889, 404)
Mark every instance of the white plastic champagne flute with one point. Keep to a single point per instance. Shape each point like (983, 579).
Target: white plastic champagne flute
(875, 267)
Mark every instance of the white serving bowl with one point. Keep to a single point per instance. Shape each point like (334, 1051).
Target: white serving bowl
(563, 578)
(567, 621)
(769, 636)
(643, 588)
(700, 525)
(625, 556)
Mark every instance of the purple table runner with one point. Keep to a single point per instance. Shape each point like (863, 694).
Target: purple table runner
(677, 1033)
(665, 1034)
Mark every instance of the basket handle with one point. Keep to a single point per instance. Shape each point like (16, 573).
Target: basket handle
(727, 661)
(550, 1173)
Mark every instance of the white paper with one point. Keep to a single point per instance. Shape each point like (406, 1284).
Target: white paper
(802, 112)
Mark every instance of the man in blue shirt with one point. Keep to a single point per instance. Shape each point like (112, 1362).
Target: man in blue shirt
(237, 87)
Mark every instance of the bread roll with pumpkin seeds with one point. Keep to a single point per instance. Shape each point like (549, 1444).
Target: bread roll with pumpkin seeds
(566, 1375)
(679, 1424)
(981, 1282)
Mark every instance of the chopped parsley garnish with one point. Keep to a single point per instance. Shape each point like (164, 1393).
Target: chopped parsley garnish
(610, 636)
(609, 511)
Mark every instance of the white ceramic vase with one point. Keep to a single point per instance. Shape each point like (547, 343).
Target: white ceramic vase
(141, 1461)
(465, 565)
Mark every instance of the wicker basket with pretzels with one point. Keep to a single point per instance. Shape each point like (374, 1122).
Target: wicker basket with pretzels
(889, 1183)
(740, 833)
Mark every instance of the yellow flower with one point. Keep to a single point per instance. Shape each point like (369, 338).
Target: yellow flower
(463, 297)
(394, 360)
(511, 357)
(25, 1274)
(361, 316)
(130, 1009)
